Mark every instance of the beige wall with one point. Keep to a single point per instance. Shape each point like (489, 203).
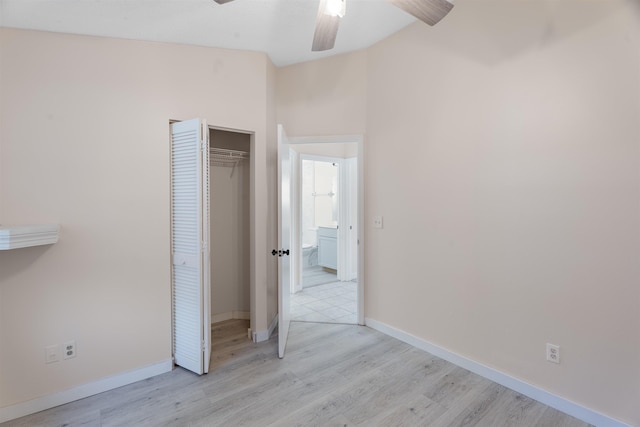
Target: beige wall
(505, 160)
(503, 150)
(342, 150)
(85, 143)
(2, 121)
(324, 97)
(272, 192)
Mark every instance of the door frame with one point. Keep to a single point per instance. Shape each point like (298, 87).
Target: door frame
(341, 139)
(252, 226)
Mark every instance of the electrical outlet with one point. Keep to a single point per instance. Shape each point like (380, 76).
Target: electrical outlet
(51, 354)
(553, 353)
(377, 222)
(69, 349)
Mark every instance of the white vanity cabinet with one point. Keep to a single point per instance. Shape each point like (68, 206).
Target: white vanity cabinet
(328, 247)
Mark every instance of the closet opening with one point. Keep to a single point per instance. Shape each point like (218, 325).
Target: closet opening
(230, 235)
(213, 255)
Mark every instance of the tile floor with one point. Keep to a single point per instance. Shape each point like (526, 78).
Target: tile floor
(316, 275)
(334, 302)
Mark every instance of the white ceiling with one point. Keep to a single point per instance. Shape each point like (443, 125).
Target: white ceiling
(281, 28)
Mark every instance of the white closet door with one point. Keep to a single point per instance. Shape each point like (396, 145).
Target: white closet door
(206, 247)
(189, 244)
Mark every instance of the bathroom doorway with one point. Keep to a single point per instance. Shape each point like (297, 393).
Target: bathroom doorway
(325, 205)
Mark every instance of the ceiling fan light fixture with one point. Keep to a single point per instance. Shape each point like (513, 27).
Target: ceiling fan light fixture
(335, 8)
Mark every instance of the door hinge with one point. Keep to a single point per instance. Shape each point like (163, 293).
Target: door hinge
(204, 346)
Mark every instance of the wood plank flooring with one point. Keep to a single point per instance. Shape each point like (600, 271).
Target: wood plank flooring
(332, 375)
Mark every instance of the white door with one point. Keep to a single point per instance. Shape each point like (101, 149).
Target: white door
(190, 245)
(284, 240)
(351, 166)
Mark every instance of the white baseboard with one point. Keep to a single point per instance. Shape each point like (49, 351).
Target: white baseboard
(543, 396)
(60, 398)
(244, 315)
(265, 335)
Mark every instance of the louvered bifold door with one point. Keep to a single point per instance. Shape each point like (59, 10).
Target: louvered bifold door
(187, 245)
(206, 251)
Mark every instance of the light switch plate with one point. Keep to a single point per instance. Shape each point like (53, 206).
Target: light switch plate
(51, 354)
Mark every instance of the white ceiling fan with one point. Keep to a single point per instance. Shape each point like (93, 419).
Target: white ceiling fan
(331, 11)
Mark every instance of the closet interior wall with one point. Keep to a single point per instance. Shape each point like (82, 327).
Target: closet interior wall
(229, 227)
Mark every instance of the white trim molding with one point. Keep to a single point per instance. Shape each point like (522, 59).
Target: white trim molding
(80, 392)
(265, 335)
(560, 403)
(329, 139)
(229, 315)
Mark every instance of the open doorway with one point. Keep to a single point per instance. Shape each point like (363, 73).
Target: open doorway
(325, 210)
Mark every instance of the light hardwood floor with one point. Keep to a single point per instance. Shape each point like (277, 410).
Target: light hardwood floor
(332, 375)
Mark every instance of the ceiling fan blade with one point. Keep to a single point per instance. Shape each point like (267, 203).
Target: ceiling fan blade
(324, 37)
(428, 11)
(222, 1)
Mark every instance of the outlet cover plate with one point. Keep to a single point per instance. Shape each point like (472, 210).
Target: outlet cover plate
(69, 350)
(553, 353)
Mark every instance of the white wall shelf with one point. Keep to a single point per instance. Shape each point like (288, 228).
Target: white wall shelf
(23, 236)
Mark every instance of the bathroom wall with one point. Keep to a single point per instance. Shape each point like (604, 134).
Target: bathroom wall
(321, 178)
(326, 189)
(309, 236)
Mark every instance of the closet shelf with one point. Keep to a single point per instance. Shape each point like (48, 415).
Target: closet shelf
(23, 236)
(225, 157)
